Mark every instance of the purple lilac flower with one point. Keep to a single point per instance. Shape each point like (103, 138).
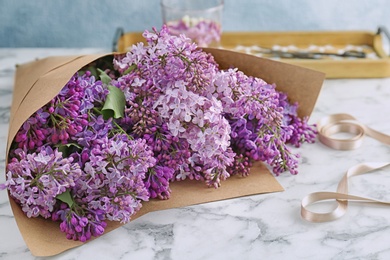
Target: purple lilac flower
(69, 109)
(113, 179)
(157, 181)
(65, 117)
(35, 180)
(78, 226)
(198, 121)
(241, 165)
(253, 109)
(111, 187)
(33, 132)
(94, 93)
(301, 130)
(97, 128)
(172, 155)
(166, 59)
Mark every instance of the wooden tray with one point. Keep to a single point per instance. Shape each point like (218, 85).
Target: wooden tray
(376, 64)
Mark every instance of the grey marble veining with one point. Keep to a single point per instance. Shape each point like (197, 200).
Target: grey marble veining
(267, 226)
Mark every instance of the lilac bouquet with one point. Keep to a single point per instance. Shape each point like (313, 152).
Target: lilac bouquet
(119, 133)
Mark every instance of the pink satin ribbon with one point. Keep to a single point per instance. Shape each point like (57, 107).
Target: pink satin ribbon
(328, 126)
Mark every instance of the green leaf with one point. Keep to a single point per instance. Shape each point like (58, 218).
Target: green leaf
(66, 197)
(91, 69)
(66, 149)
(114, 106)
(104, 77)
(130, 69)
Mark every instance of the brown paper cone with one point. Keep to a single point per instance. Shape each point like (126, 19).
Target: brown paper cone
(36, 83)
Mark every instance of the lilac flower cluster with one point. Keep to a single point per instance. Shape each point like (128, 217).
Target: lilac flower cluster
(79, 224)
(34, 180)
(301, 130)
(64, 116)
(202, 31)
(182, 118)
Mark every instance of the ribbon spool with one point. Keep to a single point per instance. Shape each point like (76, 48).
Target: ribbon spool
(344, 123)
(328, 127)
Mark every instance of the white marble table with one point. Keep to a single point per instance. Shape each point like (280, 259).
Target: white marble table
(265, 226)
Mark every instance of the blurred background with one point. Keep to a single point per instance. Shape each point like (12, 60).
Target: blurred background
(91, 23)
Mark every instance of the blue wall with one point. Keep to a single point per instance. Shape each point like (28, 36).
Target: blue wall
(92, 23)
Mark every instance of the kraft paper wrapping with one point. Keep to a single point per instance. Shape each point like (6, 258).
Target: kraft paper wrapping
(36, 83)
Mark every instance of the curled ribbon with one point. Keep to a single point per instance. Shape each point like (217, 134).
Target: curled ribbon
(344, 123)
(327, 127)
